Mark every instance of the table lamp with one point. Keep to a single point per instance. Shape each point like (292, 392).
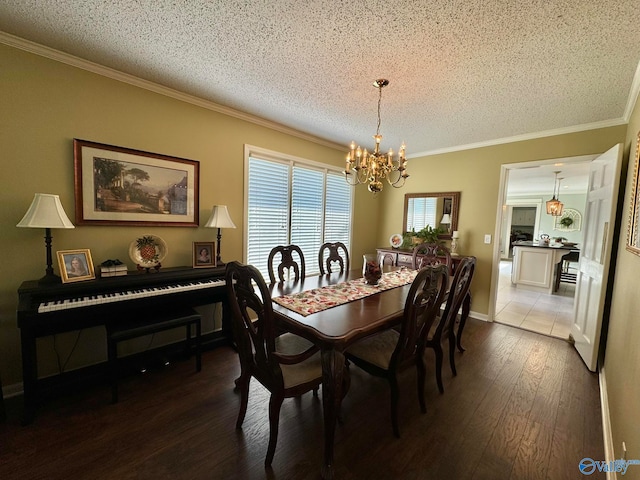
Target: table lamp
(46, 212)
(446, 220)
(219, 219)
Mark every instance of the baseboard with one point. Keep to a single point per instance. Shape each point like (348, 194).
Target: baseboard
(479, 316)
(609, 450)
(14, 390)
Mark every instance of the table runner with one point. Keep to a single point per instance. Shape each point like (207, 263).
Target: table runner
(312, 301)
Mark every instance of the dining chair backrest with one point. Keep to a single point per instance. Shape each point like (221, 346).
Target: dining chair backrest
(458, 290)
(420, 311)
(286, 262)
(335, 253)
(254, 329)
(431, 254)
(387, 259)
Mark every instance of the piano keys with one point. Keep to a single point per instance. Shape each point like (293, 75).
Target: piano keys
(50, 309)
(124, 295)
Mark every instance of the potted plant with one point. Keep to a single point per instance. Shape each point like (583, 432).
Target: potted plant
(430, 235)
(566, 222)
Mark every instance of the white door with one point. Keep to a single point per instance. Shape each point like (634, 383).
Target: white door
(595, 254)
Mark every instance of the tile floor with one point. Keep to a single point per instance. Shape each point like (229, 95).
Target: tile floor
(537, 312)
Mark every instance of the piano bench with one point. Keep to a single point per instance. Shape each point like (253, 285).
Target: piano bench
(145, 323)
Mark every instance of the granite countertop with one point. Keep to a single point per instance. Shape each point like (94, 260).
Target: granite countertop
(529, 243)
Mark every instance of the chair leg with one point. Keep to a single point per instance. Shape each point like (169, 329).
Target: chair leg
(242, 384)
(274, 416)
(438, 351)
(452, 351)
(393, 386)
(421, 372)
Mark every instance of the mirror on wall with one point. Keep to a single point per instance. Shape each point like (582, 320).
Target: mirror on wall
(439, 210)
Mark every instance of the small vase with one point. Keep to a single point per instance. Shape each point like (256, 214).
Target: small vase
(371, 270)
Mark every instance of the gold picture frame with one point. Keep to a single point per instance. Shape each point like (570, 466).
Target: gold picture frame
(204, 254)
(633, 224)
(75, 265)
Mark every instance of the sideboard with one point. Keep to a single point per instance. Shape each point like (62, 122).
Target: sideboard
(403, 257)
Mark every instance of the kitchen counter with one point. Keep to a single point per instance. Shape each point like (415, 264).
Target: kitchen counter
(535, 267)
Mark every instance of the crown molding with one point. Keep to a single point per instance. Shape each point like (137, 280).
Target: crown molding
(50, 53)
(520, 138)
(77, 62)
(633, 95)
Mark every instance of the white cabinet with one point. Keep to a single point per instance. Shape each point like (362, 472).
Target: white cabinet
(534, 267)
(523, 216)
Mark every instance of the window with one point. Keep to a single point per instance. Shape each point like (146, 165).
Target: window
(293, 201)
(420, 213)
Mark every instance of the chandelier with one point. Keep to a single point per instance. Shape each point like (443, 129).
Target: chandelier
(365, 167)
(554, 206)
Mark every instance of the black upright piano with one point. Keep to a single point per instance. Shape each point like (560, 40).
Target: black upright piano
(50, 309)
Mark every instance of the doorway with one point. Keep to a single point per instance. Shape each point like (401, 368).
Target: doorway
(520, 215)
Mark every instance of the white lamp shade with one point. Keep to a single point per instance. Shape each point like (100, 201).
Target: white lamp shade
(455, 234)
(220, 218)
(446, 218)
(45, 212)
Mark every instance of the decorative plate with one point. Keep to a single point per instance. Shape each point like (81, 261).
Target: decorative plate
(396, 240)
(148, 251)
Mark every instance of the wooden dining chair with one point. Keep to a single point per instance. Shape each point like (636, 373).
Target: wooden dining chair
(387, 259)
(286, 262)
(431, 254)
(444, 326)
(388, 352)
(287, 365)
(335, 253)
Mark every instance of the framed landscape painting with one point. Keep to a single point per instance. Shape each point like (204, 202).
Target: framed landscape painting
(121, 186)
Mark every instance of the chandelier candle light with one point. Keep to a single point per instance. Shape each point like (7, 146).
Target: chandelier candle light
(372, 168)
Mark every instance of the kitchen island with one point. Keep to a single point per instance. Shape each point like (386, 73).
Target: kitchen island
(537, 267)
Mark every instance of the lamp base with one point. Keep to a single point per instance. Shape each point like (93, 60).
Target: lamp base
(50, 279)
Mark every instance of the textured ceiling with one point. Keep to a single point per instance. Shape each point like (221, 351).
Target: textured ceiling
(461, 72)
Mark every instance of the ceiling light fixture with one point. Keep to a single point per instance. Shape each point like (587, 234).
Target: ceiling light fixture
(554, 206)
(372, 168)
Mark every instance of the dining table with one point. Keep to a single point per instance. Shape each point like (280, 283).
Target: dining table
(333, 311)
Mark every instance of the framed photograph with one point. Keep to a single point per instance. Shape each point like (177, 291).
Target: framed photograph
(633, 228)
(121, 186)
(204, 254)
(75, 265)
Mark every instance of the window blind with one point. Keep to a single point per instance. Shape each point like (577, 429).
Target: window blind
(290, 202)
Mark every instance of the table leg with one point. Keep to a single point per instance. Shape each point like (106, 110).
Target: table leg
(466, 308)
(332, 378)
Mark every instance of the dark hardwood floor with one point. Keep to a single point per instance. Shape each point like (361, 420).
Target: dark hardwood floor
(523, 406)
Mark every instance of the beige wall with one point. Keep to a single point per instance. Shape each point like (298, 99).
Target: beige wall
(44, 105)
(622, 354)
